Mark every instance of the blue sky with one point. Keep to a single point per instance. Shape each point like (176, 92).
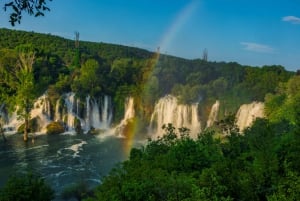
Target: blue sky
(256, 32)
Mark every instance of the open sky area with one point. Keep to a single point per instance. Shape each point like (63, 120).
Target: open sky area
(256, 32)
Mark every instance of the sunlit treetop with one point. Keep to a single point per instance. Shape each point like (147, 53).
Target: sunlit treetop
(31, 7)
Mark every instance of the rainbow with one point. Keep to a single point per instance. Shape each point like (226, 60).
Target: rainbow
(178, 23)
(181, 18)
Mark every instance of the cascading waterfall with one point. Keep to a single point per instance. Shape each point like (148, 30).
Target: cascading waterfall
(57, 114)
(167, 110)
(98, 114)
(98, 117)
(41, 111)
(247, 113)
(95, 120)
(129, 114)
(106, 113)
(212, 118)
(69, 115)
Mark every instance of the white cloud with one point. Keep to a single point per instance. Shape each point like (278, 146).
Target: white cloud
(255, 47)
(291, 19)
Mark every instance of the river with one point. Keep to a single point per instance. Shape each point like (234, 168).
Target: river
(63, 159)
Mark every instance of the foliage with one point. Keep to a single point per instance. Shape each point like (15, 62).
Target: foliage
(283, 105)
(31, 7)
(26, 187)
(78, 191)
(18, 79)
(260, 165)
(33, 126)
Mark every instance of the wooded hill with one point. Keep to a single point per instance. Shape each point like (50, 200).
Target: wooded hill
(121, 71)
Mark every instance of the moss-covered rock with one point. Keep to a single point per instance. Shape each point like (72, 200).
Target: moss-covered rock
(55, 128)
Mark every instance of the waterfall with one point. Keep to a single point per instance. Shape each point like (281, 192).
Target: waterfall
(69, 116)
(129, 114)
(57, 115)
(167, 110)
(87, 118)
(212, 118)
(95, 114)
(41, 111)
(247, 113)
(98, 113)
(106, 113)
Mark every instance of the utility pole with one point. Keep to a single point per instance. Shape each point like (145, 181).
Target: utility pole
(76, 39)
(205, 55)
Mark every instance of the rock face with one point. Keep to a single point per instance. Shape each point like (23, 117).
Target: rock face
(247, 113)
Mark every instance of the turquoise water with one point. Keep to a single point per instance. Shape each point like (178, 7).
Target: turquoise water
(61, 159)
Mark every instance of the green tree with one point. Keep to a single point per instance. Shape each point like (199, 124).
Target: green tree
(25, 89)
(28, 187)
(20, 79)
(89, 80)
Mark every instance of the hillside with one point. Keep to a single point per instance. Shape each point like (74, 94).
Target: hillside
(98, 69)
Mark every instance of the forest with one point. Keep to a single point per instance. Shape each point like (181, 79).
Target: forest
(96, 69)
(261, 163)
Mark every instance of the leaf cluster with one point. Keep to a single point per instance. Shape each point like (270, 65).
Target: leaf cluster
(31, 7)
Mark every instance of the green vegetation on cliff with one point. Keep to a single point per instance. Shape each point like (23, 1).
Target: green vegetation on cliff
(97, 69)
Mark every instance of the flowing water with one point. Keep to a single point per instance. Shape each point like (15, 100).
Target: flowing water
(62, 160)
(67, 159)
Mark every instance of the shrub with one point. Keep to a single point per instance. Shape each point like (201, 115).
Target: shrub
(26, 187)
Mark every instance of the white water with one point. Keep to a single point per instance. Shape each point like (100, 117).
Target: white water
(98, 113)
(98, 117)
(167, 110)
(76, 148)
(41, 111)
(129, 114)
(57, 115)
(69, 115)
(247, 113)
(212, 118)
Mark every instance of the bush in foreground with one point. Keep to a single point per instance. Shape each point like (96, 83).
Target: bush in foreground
(28, 187)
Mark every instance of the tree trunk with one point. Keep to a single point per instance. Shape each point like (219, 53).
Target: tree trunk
(2, 133)
(25, 136)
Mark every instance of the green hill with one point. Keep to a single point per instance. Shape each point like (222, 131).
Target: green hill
(120, 71)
